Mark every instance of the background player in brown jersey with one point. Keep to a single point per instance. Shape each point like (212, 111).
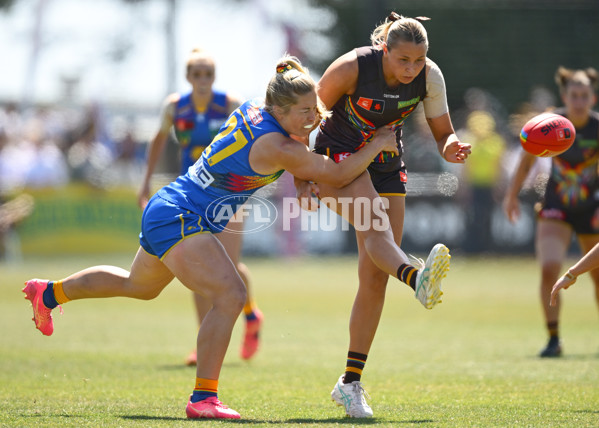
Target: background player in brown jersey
(571, 201)
(369, 88)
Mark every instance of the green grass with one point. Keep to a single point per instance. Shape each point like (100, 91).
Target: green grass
(470, 362)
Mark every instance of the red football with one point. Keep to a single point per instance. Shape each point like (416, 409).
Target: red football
(547, 134)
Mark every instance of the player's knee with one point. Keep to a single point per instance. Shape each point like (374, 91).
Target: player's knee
(550, 271)
(232, 299)
(144, 292)
(238, 298)
(149, 294)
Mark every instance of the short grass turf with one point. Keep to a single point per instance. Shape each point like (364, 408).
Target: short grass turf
(470, 362)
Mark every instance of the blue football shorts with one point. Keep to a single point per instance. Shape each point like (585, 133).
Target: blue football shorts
(164, 224)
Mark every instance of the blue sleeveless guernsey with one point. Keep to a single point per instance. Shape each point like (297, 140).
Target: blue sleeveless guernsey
(195, 130)
(222, 178)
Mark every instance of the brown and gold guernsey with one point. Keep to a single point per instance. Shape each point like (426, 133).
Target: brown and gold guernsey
(373, 105)
(574, 179)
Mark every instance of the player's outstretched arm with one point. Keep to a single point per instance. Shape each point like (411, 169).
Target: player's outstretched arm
(511, 205)
(157, 146)
(448, 143)
(588, 262)
(273, 152)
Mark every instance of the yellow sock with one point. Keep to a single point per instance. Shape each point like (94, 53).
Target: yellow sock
(59, 293)
(206, 385)
(249, 307)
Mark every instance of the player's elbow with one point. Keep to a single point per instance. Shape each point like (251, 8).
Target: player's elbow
(340, 180)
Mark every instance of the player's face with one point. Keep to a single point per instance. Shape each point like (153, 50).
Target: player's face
(578, 99)
(403, 61)
(301, 117)
(200, 75)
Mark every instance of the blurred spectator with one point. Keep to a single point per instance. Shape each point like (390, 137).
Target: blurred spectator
(11, 212)
(128, 167)
(483, 178)
(45, 163)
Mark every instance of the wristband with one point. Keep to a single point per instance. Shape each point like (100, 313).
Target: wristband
(570, 275)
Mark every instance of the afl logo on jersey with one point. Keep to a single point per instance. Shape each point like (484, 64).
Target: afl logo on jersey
(372, 105)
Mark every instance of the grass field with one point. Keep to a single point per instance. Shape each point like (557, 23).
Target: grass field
(469, 362)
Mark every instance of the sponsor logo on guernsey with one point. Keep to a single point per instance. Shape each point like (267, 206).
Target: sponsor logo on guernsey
(340, 156)
(403, 177)
(402, 104)
(254, 115)
(373, 105)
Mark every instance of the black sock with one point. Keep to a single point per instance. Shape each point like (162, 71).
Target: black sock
(553, 329)
(354, 367)
(407, 274)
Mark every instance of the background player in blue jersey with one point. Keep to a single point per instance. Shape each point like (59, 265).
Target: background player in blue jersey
(366, 89)
(196, 117)
(258, 142)
(571, 201)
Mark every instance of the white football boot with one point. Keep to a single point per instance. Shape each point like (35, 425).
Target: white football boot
(352, 396)
(430, 274)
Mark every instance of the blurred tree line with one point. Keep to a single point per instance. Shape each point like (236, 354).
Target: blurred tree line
(504, 46)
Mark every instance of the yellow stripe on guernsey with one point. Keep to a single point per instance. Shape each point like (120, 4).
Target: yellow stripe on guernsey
(239, 138)
(246, 124)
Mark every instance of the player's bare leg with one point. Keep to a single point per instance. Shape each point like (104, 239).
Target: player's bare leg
(380, 256)
(232, 240)
(220, 283)
(147, 279)
(370, 299)
(552, 242)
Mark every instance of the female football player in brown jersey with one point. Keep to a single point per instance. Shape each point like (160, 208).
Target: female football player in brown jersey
(571, 201)
(369, 88)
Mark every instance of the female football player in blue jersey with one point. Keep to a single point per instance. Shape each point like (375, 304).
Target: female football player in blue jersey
(196, 117)
(571, 201)
(260, 140)
(366, 89)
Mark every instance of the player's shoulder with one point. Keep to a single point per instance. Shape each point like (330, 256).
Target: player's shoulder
(432, 67)
(172, 99)
(346, 63)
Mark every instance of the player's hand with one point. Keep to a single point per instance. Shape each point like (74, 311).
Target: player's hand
(511, 208)
(387, 138)
(456, 151)
(564, 282)
(307, 194)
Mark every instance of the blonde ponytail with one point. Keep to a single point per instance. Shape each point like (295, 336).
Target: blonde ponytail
(290, 81)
